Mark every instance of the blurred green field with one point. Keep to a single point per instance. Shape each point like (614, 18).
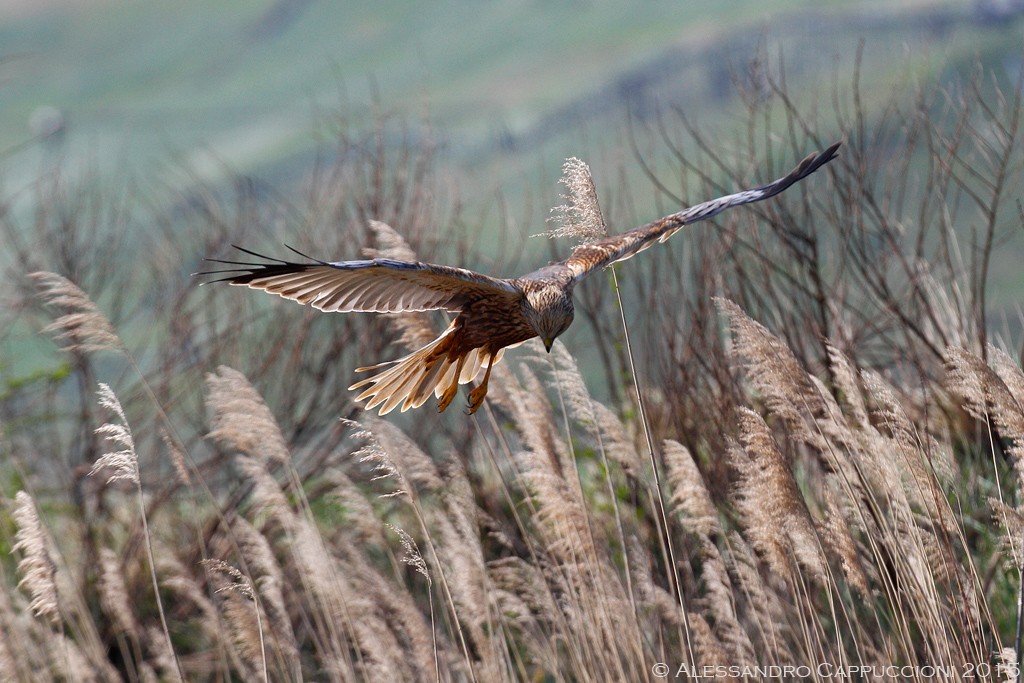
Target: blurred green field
(246, 87)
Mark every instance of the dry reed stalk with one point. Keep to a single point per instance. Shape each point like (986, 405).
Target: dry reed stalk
(710, 652)
(37, 568)
(416, 467)
(72, 664)
(1008, 370)
(113, 592)
(125, 466)
(360, 518)
(380, 462)
(235, 581)
(243, 424)
(315, 570)
(268, 500)
(774, 512)
(838, 539)
(378, 614)
(178, 458)
(719, 601)
(774, 373)
(922, 466)
(535, 421)
(574, 569)
(496, 618)
(402, 625)
(561, 515)
(187, 591)
(84, 327)
(8, 662)
(394, 457)
(241, 613)
(847, 381)
(523, 595)
(461, 553)
(652, 597)
(22, 653)
(993, 394)
(557, 483)
(412, 557)
(1011, 521)
(268, 580)
(596, 605)
(618, 443)
(162, 656)
(568, 538)
(341, 604)
(771, 630)
(690, 498)
(240, 420)
(123, 462)
(573, 395)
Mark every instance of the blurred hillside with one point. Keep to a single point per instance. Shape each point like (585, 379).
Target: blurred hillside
(226, 88)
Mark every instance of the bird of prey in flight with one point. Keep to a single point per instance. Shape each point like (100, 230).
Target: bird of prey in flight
(492, 314)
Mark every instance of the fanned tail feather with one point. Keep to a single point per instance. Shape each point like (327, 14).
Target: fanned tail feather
(408, 382)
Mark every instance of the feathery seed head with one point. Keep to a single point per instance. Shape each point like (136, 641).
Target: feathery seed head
(237, 581)
(124, 462)
(240, 419)
(38, 571)
(581, 215)
(82, 326)
(412, 556)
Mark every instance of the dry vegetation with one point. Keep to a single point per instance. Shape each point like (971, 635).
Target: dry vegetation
(824, 469)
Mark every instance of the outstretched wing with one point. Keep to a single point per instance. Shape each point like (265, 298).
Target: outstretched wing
(376, 285)
(587, 258)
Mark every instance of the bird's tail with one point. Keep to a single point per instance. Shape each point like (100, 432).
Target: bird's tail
(411, 380)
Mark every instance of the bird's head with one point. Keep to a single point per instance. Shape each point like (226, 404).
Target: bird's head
(550, 312)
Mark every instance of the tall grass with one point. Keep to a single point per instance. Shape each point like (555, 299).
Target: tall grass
(827, 475)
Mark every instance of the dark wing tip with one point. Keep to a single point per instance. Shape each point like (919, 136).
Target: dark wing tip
(814, 161)
(831, 152)
(243, 272)
(810, 164)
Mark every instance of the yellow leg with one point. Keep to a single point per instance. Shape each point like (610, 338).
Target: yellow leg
(476, 397)
(453, 388)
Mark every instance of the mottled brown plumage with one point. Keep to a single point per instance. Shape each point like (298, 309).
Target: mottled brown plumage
(492, 314)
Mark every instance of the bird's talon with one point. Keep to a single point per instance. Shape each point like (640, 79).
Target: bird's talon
(445, 400)
(476, 398)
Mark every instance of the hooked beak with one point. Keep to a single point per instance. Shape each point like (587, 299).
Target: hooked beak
(548, 343)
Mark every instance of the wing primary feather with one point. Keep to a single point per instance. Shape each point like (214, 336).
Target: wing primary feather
(263, 256)
(315, 260)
